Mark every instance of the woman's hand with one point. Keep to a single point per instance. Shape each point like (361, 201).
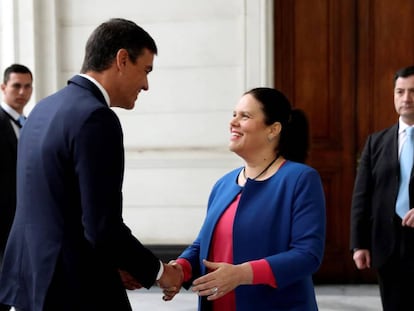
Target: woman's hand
(222, 279)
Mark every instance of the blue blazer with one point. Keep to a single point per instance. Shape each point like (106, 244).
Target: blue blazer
(281, 219)
(68, 238)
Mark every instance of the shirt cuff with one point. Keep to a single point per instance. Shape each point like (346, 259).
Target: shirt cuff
(262, 273)
(160, 271)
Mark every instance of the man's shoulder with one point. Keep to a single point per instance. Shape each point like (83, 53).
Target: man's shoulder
(388, 132)
(4, 118)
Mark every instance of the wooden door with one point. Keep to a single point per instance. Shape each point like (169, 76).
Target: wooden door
(335, 59)
(386, 44)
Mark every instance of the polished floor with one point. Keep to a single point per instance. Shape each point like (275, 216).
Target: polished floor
(330, 298)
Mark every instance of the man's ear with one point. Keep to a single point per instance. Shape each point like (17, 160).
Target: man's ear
(121, 58)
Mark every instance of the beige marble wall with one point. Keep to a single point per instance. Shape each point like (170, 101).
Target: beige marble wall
(210, 52)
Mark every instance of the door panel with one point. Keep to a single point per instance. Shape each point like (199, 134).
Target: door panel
(315, 66)
(386, 44)
(335, 59)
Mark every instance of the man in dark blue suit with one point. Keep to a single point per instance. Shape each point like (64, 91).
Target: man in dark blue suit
(68, 242)
(17, 89)
(382, 234)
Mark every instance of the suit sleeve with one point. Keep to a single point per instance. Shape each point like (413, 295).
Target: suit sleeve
(308, 229)
(361, 201)
(99, 165)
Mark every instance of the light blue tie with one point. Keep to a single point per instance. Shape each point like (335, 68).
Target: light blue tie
(406, 164)
(21, 120)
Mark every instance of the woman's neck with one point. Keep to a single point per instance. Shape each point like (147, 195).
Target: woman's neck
(260, 168)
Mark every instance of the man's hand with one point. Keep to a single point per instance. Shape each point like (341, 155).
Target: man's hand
(362, 259)
(408, 220)
(129, 281)
(171, 280)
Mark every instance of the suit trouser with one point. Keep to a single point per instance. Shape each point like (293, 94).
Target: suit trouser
(2, 306)
(6, 308)
(396, 277)
(92, 296)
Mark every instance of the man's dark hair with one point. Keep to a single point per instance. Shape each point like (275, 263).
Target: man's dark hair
(111, 36)
(404, 72)
(15, 68)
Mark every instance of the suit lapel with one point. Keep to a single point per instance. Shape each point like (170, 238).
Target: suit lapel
(7, 129)
(392, 140)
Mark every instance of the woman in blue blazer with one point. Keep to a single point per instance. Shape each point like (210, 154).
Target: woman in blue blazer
(264, 232)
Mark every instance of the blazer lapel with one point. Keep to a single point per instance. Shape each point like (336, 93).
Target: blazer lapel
(391, 140)
(7, 129)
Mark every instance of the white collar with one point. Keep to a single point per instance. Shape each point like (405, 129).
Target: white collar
(100, 87)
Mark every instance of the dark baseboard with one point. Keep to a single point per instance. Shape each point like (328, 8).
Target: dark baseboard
(167, 252)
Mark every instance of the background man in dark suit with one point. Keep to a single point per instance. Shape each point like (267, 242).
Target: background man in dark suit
(16, 89)
(68, 240)
(379, 237)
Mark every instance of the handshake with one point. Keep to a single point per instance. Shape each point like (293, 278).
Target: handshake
(171, 280)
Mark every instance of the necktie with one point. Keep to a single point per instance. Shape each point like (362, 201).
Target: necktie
(406, 164)
(21, 120)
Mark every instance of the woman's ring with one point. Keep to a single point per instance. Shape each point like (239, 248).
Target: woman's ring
(214, 290)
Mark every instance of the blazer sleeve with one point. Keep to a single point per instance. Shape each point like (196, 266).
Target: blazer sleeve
(361, 201)
(99, 163)
(308, 230)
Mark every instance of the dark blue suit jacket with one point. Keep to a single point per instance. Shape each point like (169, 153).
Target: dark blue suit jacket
(68, 238)
(374, 223)
(8, 156)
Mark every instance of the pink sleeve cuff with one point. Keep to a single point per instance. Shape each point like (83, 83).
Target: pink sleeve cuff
(186, 268)
(262, 273)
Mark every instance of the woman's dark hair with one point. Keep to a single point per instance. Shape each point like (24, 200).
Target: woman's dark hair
(294, 137)
(111, 36)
